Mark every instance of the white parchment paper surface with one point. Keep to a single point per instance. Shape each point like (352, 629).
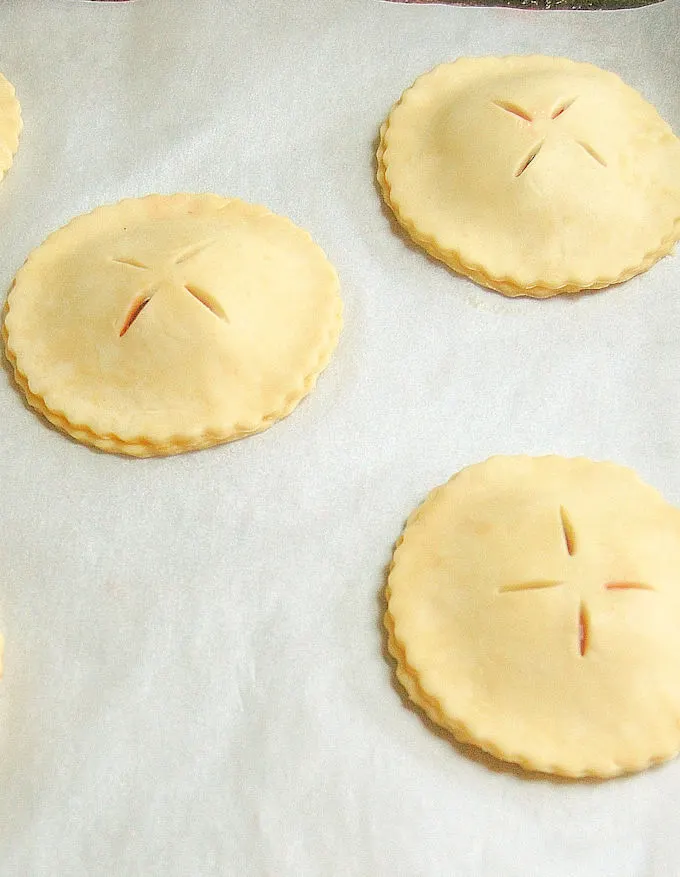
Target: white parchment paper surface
(195, 677)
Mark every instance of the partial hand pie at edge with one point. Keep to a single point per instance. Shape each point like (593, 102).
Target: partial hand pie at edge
(10, 125)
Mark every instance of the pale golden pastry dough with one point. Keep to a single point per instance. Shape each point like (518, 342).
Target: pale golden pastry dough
(534, 609)
(532, 175)
(10, 125)
(170, 323)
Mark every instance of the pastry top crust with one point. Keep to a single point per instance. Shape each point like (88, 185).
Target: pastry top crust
(533, 171)
(170, 319)
(536, 603)
(10, 124)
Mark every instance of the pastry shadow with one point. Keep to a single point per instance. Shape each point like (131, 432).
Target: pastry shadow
(469, 750)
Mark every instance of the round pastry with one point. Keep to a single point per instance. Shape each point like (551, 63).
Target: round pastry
(534, 609)
(532, 175)
(170, 323)
(10, 125)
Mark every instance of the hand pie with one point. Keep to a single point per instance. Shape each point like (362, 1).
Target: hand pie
(534, 609)
(170, 323)
(10, 125)
(532, 175)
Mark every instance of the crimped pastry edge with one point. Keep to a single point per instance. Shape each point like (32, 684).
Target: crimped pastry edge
(145, 446)
(465, 732)
(12, 146)
(506, 284)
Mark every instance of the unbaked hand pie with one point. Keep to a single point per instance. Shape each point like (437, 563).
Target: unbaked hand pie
(534, 610)
(10, 125)
(169, 323)
(532, 175)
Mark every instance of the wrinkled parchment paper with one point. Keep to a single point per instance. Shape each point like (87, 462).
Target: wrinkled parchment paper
(195, 678)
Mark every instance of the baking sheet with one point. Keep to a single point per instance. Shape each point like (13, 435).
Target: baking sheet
(195, 675)
(548, 5)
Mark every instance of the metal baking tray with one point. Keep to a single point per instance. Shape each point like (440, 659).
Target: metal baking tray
(589, 5)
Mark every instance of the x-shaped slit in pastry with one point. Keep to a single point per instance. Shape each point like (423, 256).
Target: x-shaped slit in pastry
(570, 545)
(142, 299)
(562, 107)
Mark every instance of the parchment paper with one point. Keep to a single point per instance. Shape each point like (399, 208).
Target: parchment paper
(195, 677)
